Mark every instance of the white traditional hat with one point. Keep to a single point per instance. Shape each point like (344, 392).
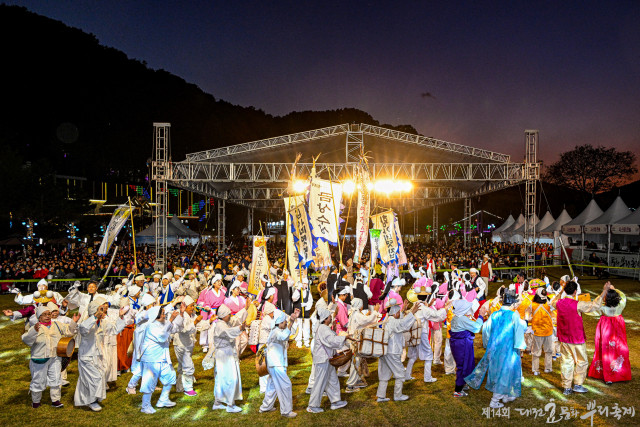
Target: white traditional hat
(323, 313)
(223, 311)
(279, 316)
(345, 290)
(188, 300)
(41, 309)
(133, 290)
(271, 292)
(268, 308)
(42, 283)
(52, 306)
(154, 312)
(234, 285)
(167, 276)
(216, 278)
(473, 270)
(393, 306)
(147, 300)
(95, 304)
(461, 307)
(138, 277)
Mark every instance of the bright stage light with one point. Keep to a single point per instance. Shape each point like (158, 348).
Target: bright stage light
(300, 186)
(387, 186)
(348, 187)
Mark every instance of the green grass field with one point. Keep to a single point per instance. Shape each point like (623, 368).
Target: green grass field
(429, 404)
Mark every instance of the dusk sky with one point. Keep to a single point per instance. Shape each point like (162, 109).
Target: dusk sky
(569, 69)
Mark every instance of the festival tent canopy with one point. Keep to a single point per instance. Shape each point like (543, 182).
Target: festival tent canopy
(532, 221)
(183, 228)
(628, 225)
(546, 220)
(562, 219)
(616, 212)
(504, 225)
(174, 234)
(516, 224)
(591, 212)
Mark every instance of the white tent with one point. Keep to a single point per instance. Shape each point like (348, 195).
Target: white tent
(562, 219)
(591, 212)
(517, 235)
(183, 228)
(629, 225)
(506, 233)
(174, 235)
(546, 220)
(554, 231)
(576, 225)
(601, 225)
(616, 212)
(495, 235)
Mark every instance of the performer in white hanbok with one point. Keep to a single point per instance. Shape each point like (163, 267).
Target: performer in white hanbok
(358, 320)
(140, 318)
(156, 359)
(266, 324)
(326, 342)
(92, 386)
(315, 323)
(279, 385)
(425, 314)
(44, 365)
(183, 342)
(228, 382)
(390, 364)
(303, 301)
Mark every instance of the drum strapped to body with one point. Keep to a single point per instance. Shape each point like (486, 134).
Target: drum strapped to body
(341, 358)
(261, 361)
(66, 346)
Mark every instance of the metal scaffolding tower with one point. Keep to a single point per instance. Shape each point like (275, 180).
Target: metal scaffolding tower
(532, 172)
(160, 173)
(435, 224)
(467, 222)
(222, 223)
(355, 141)
(250, 221)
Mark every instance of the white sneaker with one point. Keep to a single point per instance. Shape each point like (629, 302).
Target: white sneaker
(262, 411)
(64, 383)
(95, 407)
(546, 371)
(382, 399)
(131, 390)
(165, 404)
(339, 404)
(508, 399)
(409, 378)
(290, 415)
(234, 409)
(430, 380)
(496, 405)
(217, 406)
(536, 373)
(148, 410)
(205, 349)
(401, 398)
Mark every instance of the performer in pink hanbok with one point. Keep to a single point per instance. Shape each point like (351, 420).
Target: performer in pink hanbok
(342, 315)
(611, 358)
(209, 300)
(394, 292)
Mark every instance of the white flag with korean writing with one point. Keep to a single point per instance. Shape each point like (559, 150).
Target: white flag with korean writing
(302, 236)
(325, 198)
(402, 256)
(362, 224)
(259, 264)
(388, 242)
(292, 252)
(375, 243)
(118, 220)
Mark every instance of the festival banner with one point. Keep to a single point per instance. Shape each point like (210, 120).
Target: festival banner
(259, 264)
(375, 245)
(402, 257)
(324, 210)
(388, 244)
(301, 230)
(118, 220)
(323, 256)
(362, 224)
(292, 251)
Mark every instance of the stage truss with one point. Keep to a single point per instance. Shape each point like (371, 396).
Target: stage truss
(231, 175)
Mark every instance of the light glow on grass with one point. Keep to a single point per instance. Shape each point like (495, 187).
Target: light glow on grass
(558, 395)
(593, 390)
(199, 414)
(11, 353)
(544, 383)
(180, 412)
(527, 382)
(537, 394)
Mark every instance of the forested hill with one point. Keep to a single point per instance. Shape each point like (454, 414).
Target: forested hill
(89, 109)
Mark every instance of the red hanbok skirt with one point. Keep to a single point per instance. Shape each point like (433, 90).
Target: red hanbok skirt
(611, 357)
(124, 339)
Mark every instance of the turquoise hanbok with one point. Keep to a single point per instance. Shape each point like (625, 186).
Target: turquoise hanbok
(503, 337)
